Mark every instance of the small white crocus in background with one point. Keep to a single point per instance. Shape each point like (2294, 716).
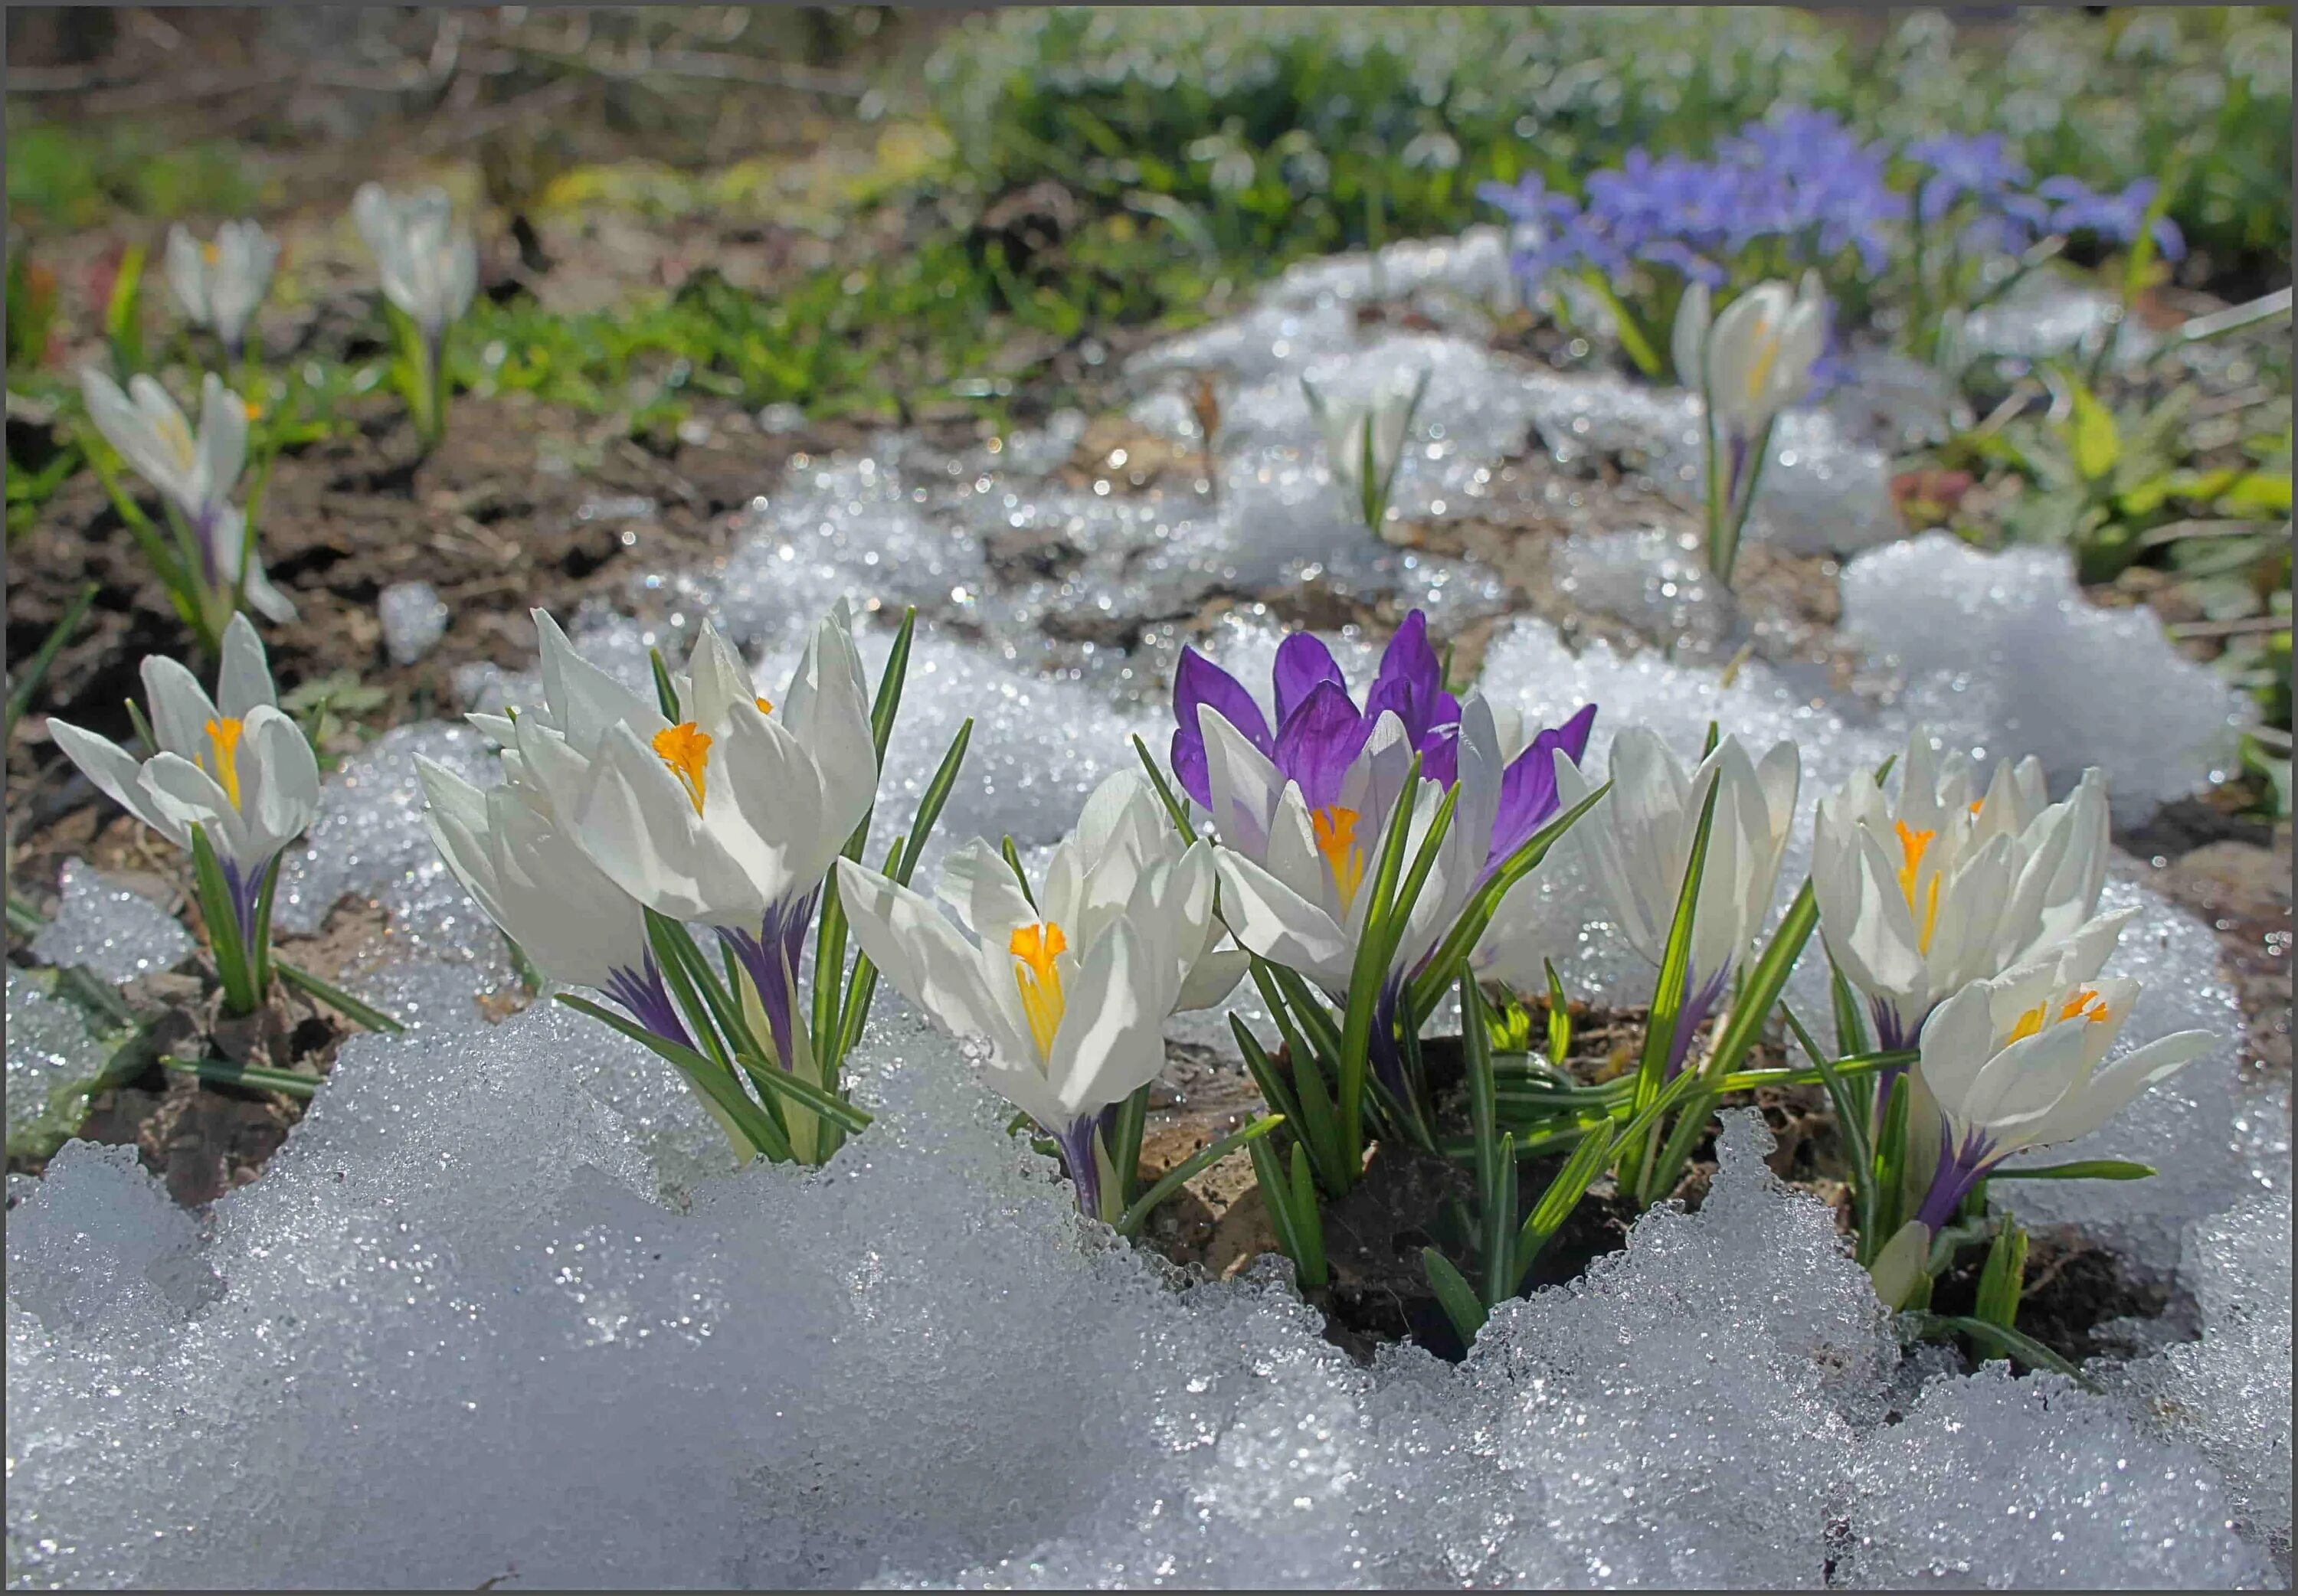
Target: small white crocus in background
(1069, 985)
(234, 765)
(2019, 1060)
(572, 923)
(1945, 886)
(220, 285)
(1747, 364)
(429, 270)
(1639, 839)
(729, 816)
(194, 476)
(1364, 440)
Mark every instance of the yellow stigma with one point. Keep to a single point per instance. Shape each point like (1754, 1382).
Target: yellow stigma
(1035, 947)
(254, 411)
(212, 254)
(223, 743)
(1336, 839)
(686, 749)
(1912, 845)
(765, 705)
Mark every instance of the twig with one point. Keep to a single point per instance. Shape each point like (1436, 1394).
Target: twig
(447, 133)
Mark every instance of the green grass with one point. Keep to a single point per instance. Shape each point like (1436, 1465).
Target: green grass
(61, 177)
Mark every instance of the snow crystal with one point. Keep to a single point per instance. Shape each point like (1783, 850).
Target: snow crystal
(2034, 1485)
(53, 1055)
(414, 619)
(2229, 1393)
(2010, 638)
(114, 931)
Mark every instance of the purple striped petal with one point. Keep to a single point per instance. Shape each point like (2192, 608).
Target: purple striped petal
(1301, 663)
(1199, 681)
(1321, 740)
(1528, 790)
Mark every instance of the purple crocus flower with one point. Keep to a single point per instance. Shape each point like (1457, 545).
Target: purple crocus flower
(1320, 730)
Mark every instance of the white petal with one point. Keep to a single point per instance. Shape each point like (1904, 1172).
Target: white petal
(1277, 922)
(117, 773)
(246, 678)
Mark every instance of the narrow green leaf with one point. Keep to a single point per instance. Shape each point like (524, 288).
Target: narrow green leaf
(220, 1071)
(888, 705)
(1368, 972)
(1476, 1051)
(1443, 967)
(2009, 1343)
(350, 1007)
(224, 937)
(259, 943)
(2087, 1169)
(36, 669)
(1012, 856)
(1308, 1220)
(1765, 980)
(1563, 1195)
(764, 1137)
(1454, 1293)
(1315, 1021)
(23, 918)
(1851, 1124)
(2000, 1282)
(1181, 1173)
(1277, 1196)
(665, 695)
(142, 727)
(1132, 1123)
(772, 1078)
(1174, 806)
(1559, 1017)
(1675, 960)
(1500, 1237)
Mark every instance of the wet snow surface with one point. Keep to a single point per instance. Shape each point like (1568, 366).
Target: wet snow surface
(502, 1309)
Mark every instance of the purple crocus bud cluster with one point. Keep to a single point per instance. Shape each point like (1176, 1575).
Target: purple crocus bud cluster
(1804, 182)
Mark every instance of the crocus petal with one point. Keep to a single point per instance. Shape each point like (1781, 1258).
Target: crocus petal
(188, 795)
(117, 773)
(1411, 681)
(1199, 682)
(2115, 1084)
(981, 886)
(926, 958)
(180, 707)
(1302, 661)
(1272, 919)
(1319, 740)
(246, 678)
(1110, 1042)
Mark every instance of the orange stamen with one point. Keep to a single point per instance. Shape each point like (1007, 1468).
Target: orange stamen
(765, 705)
(1035, 947)
(1336, 839)
(685, 747)
(1913, 845)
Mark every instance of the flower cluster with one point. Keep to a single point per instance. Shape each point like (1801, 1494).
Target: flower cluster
(1800, 191)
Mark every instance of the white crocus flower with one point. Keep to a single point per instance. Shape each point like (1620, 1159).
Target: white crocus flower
(1371, 434)
(1070, 992)
(572, 923)
(195, 475)
(1920, 897)
(1638, 839)
(732, 816)
(429, 267)
(1749, 364)
(1755, 360)
(234, 765)
(219, 284)
(2019, 1060)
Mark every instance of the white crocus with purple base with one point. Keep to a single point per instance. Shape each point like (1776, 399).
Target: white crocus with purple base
(1069, 985)
(1920, 895)
(194, 475)
(572, 923)
(729, 816)
(1639, 839)
(233, 766)
(2019, 1062)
